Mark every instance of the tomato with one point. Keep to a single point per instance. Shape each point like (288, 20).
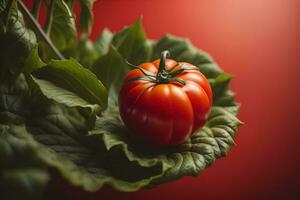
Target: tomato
(164, 102)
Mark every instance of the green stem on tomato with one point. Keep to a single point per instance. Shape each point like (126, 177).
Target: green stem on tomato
(162, 74)
(166, 76)
(162, 63)
(39, 31)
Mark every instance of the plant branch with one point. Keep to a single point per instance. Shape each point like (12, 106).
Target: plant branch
(49, 20)
(39, 31)
(36, 8)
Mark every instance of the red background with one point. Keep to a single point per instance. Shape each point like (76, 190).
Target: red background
(259, 42)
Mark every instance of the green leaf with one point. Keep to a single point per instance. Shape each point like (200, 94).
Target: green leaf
(23, 184)
(33, 61)
(227, 102)
(132, 43)
(192, 157)
(204, 147)
(86, 16)
(81, 156)
(22, 173)
(59, 136)
(220, 84)
(103, 43)
(70, 75)
(63, 30)
(222, 95)
(5, 11)
(86, 51)
(63, 96)
(85, 21)
(14, 103)
(16, 41)
(111, 70)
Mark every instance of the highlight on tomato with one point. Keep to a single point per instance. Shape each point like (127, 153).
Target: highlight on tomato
(164, 102)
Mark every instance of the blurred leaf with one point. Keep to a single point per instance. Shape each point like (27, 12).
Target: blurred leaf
(86, 16)
(16, 41)
(87, 53)
(111, 70)
(181, 49)
(63, 30)
(102, 44)
(220, 84)
(132, 43)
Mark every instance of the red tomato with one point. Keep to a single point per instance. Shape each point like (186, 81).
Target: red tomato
(165, 102)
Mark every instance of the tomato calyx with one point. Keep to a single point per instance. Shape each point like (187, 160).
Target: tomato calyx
(163, 75)
(166, 76)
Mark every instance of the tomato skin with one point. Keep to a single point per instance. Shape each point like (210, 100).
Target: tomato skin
(163, 114)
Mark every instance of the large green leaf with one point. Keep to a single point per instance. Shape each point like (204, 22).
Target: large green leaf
(70, 75)
(190, 158)
(204, 147)
(23, 175)
(81, 155)
(62, 95)
(21, 169)
(59, 136)
(14, 103)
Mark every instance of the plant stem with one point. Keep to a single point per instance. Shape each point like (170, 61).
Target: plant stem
(49, 18)
(39, 31)
(162, 62)
(162, 74)
(36, 8)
